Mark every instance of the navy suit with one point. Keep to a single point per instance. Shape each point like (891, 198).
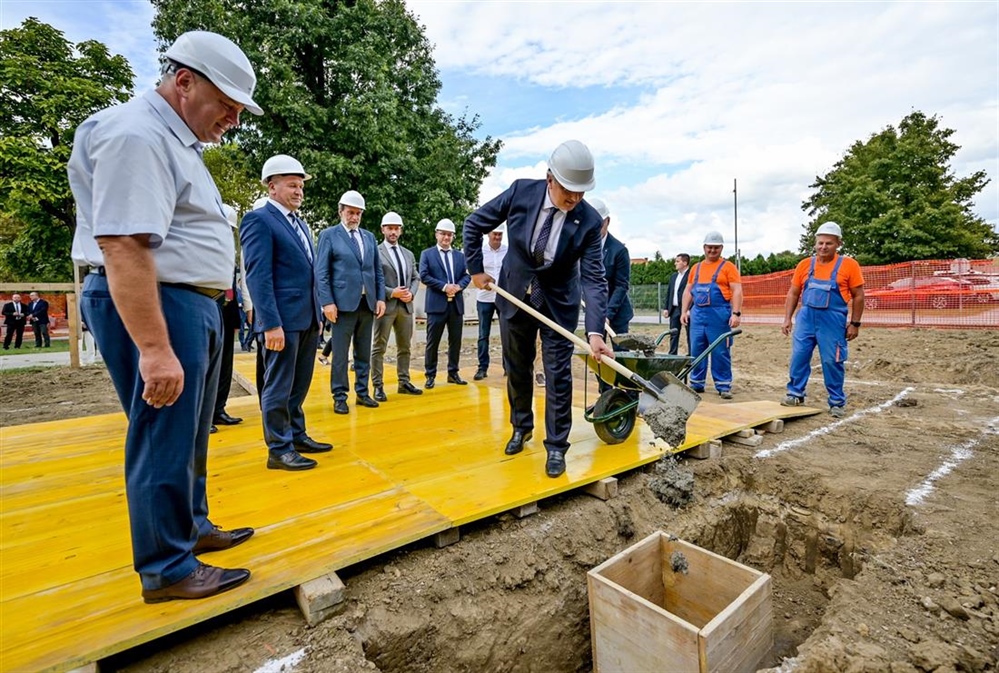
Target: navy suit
(617, 269)
(673, 309)
(442, 313)
(355, 286)
(38, 314)
(576, 272)
(280, 278)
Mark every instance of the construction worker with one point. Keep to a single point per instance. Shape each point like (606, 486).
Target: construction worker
(712, 305)
(831, 289)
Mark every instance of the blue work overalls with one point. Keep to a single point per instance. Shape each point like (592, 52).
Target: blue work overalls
(821, 321)
(709, 316)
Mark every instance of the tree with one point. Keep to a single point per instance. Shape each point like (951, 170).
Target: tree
(237, 183)
(48, 87)
(897, 198)
(349, 88)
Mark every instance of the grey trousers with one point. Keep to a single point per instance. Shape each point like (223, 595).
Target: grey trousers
(401, 322)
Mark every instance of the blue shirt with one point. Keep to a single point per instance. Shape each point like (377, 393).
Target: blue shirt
(136, 169)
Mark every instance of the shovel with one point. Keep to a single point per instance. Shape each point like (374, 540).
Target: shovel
(667, 389)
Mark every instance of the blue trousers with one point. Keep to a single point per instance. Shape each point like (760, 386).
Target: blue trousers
(356, 326)
(284, 378)
(519, 335)
(827, 330)
(166, 450)
(706, 325)
(453, 320)
(486, 310)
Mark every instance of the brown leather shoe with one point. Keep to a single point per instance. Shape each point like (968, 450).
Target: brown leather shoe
(204, 581)
(220, 539)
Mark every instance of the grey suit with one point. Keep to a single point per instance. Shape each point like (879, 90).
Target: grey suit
(398, 314)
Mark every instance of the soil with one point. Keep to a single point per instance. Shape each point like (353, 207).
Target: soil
(880, 532)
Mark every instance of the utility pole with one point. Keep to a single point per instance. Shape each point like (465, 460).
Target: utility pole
(735, 203)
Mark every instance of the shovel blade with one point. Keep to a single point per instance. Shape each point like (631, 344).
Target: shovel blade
(670, 391)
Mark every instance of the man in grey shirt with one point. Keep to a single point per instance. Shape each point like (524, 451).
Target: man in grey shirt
(151, 227)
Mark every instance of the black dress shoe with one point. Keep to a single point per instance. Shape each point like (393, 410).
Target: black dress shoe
(213, 430)
(220, 539)
(380, 394)
(340, 407)
(366, 401)
(204, 581)
(407, 388)
(516, 443)
(226, 419)
(309, 445)
(479, 375)
(454, 378)
(290, 460)
(430, 383)
(555, 465)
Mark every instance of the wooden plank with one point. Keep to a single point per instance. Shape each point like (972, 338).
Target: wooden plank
(775, 426)
(74, 331)
(446, 538)
(711, 449)
(637, 569)
(740, 638)
(36, 287)
(604, 489)
(746, 432)
(526, 510)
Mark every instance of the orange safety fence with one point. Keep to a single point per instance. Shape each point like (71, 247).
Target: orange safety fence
(929, 293)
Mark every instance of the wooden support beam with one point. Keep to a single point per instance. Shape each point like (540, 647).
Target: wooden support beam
(605, 489)
(321, 598)
(447, 537)
(525, 510)
(753, 440)
(776, 426)
(748, 432)
(89, 668)
(74, 331)
(711, 449)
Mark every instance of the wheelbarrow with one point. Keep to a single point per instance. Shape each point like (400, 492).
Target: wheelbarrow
(667, 390)
(613, 415)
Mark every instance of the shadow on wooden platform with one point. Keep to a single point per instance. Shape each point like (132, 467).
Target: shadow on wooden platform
(414, 467)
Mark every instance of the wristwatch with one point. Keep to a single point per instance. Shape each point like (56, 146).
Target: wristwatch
(738, 314)
(855, 323)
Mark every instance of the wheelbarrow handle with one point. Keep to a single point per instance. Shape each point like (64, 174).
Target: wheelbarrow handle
(707, 351)
(571, 336)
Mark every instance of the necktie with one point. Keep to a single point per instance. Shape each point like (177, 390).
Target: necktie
(357, 244)
(536, 299)
(401, 269)
(447, 267)
(300, 230)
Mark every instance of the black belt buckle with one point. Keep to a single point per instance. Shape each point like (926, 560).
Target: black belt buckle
(98, 270)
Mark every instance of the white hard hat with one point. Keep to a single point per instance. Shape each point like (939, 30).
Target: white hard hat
(353, 199)
(445, 225)
(221, 61)
(830, 228)
(392, 217)
(500, 229)
(599, 206)
(572, 165)
(714, 238)
(230, 215)
(260, 203)
(281, 164)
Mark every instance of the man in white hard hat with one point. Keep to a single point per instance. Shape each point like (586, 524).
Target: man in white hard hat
(443, 271)
(352, 294)
(280, 256)
(831, 289)
(554, 260)
(617, 269)
(712, 305)
(493, 254)
(151, 230)
(402, 280)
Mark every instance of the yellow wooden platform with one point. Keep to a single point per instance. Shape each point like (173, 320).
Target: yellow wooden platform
(411, 468)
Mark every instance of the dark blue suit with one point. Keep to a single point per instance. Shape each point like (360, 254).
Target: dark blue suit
(442, 313)
(576, 272)
(342, 276)
(617, 269)
(281, 282)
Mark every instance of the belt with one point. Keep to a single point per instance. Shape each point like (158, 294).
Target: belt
(210, 292)
(99, 270)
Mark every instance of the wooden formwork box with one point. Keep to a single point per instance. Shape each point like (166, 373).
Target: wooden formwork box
(717, 616)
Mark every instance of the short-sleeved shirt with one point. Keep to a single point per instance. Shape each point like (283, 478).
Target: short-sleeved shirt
(492, 262)
(137, 169)
(849, 275)
(729, 275)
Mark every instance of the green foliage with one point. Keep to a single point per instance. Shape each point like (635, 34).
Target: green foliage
(772, 263)
(48, 87)
(349, 88)
(238, 184)
(898, 200)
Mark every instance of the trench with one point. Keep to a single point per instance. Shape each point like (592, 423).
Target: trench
(538, 619)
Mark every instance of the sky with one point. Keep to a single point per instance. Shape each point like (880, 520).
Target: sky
(677, 100)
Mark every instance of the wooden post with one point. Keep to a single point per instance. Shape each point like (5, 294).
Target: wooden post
(74, 331)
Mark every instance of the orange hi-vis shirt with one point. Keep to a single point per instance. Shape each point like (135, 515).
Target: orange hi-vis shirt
(729, 274)
(849, 274)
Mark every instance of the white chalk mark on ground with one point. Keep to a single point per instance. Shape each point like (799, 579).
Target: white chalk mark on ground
(826, 429)
(284, 664)
(958, 454)
(949, 391)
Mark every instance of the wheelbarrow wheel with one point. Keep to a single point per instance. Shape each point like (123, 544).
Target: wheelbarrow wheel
(618, 428)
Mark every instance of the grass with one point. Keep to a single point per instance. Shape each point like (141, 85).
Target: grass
(28, 347)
